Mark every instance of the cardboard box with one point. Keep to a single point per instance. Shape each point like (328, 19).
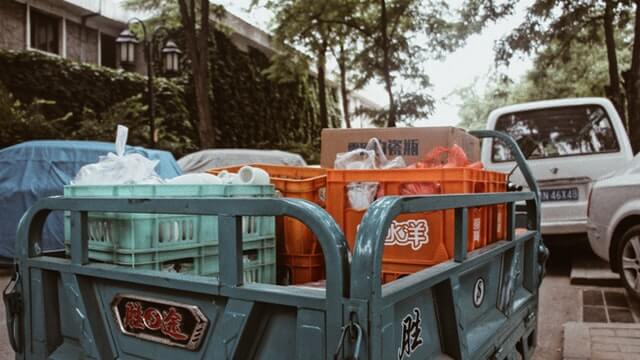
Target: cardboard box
(410, 143)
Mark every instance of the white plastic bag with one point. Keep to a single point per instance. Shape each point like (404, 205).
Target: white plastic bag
(362, 194)
(195, 179)
(359, 159)
(119, 169)
(371, 157)
(381, 159)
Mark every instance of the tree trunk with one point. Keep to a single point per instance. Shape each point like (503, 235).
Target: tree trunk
(322, 86)
(632, 84)
(613, 91)
(386, 63)
(198, 52)
(344, 92)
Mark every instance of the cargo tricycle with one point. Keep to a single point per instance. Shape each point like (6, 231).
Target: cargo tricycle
(480, 304)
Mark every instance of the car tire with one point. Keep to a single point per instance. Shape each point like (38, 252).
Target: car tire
(628, 257)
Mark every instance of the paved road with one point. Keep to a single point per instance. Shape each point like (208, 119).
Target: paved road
(558, 305)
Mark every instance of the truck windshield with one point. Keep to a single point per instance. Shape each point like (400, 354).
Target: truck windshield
(557, 132)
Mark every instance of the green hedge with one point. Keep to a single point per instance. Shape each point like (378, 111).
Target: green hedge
(86, 101)
(93, 99)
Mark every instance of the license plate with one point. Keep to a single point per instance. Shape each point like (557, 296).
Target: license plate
(568, 194)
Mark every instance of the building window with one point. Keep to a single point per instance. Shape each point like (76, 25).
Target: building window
(108, 51)
(45, 32)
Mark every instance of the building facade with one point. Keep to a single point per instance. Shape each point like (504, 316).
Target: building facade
(79, 30)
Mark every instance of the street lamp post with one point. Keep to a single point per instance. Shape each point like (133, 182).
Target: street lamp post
(171, 64)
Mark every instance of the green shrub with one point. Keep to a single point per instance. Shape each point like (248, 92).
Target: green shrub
(22, 122)
(84, 101)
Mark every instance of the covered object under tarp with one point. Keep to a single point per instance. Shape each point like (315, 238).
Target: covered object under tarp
(36, 169)
(204, 160)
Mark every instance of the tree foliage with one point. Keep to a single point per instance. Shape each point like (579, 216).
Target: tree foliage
(299, 26)
(25, 121)
(580, 72)
(389, 41)
(569, 23)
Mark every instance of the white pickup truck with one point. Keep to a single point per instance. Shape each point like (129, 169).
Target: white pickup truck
(569, 143)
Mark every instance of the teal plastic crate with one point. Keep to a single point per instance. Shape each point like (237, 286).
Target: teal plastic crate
(259, 260)
(130, 239)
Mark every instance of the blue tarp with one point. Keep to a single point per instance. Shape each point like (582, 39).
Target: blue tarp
(35, 169)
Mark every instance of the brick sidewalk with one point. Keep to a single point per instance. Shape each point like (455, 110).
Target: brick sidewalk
(601, 341)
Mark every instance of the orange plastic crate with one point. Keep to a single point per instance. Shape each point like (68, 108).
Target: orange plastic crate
(394, 271)
(416, 240)
(302, 269)
(389, 276)
(296, 182)
(498, 213)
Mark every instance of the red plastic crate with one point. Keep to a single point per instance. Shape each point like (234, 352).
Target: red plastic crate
(432, 241)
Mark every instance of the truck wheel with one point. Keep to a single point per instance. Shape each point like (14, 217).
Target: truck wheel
(629, 260)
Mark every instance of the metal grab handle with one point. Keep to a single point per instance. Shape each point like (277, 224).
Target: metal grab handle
(521, 161)
(348, 328)
(533, 207)
(13, 311)
(329, 235)
(515, 150)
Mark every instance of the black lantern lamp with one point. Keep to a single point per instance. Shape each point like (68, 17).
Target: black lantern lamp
(171, 54)
(171, 58)
(127, 41)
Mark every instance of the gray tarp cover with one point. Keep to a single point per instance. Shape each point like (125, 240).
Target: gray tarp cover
(204, 160)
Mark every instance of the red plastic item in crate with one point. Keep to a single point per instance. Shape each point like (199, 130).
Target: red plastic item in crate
(418, 240)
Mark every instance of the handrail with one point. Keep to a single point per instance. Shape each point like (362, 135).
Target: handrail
(521, 161)
(329, 235)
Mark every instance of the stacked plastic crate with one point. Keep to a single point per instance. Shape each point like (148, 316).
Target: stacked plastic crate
(180, 243)
(298, 251)
(417, 241)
